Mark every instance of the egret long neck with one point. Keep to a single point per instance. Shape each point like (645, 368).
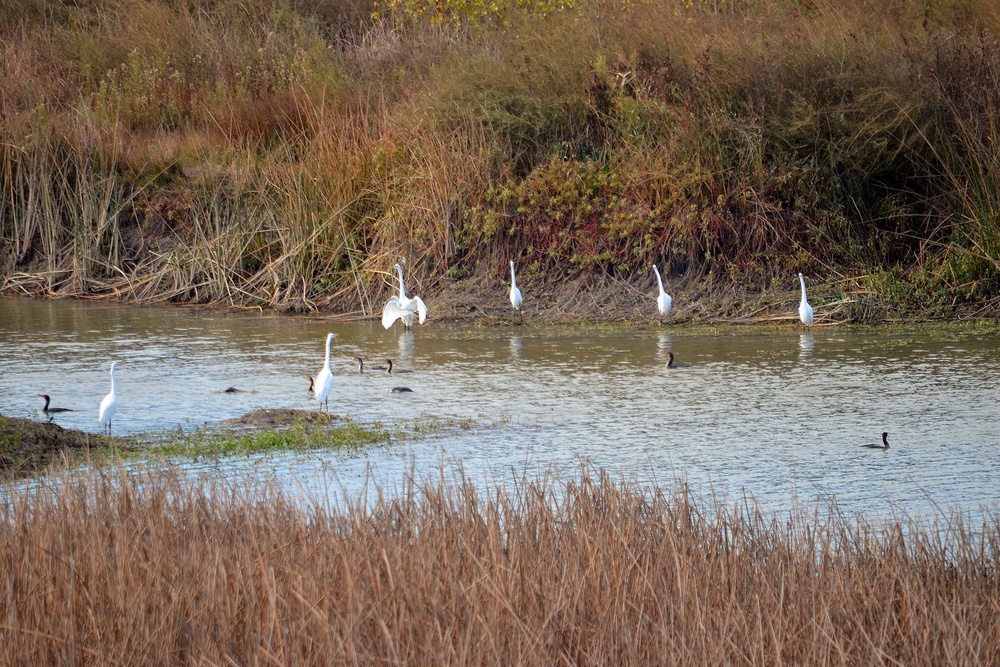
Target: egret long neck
(326, 360)
(402, 290)
(513, 279)
(112, 378)
(803, 282)
(659, 280)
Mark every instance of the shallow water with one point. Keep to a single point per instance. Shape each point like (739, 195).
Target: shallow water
(778, 414)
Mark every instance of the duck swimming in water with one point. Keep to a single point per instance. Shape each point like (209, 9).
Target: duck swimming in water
(884, 445)
(47, 410)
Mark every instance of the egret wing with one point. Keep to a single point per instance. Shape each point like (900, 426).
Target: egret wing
(108, 408)
(391, 313)
(421, 308)
(324, 383)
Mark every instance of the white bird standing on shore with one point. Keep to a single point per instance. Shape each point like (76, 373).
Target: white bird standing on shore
(805, 310)
(324, 380)
(403, 307)
(515, 294)
(663, 301)
(109, 405)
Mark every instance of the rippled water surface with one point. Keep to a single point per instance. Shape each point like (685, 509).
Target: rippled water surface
(779, 414)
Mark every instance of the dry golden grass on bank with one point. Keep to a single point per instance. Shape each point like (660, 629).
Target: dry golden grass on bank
(156, 569)
(284, 155)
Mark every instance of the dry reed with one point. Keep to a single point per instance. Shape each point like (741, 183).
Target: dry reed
(125, 568)
(284, 155)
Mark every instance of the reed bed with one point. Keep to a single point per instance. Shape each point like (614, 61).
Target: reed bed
(111, 567)
(286, 154)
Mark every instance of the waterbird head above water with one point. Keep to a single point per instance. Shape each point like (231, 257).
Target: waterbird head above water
(884, 445)
(48, 410)
(390, 370)
(312, 387)
(670, 361)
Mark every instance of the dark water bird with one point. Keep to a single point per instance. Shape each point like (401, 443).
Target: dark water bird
(231, 390)
(109, 405)
(670, 361)
(312, 386)
(389, 369)
(47, 410)
(400, 390)
(360, 363)
(884, 445)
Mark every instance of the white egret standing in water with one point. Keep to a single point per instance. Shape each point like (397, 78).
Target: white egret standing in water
(663, 301)
(515, 294)
(324, 380)
(109, 405)
(805, 310)
(403, 307)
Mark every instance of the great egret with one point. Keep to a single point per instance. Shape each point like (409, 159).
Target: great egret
(403, 307)
(663, 301)
(324, 380)
(805, 310)
(884, 445)
(388, 368)
(109, 405)
(47, 410)
(515, 294)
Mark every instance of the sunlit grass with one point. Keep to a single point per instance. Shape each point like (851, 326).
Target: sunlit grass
(222, 442)
(276, 155)
(165, 568)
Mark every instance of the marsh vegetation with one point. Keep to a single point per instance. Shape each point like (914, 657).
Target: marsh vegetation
(285, 154)
(163, 568)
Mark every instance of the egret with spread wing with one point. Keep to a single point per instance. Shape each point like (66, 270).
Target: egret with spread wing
(403, 307)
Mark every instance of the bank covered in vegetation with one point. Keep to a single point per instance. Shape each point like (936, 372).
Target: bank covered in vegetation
(284, 154)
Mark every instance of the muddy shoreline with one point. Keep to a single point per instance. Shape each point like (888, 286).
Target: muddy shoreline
(698, 298)
(30, 447)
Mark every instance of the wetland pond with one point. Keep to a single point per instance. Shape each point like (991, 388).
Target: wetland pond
(775, 413)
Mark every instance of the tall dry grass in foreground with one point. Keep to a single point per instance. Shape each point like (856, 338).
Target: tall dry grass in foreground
(113, 569)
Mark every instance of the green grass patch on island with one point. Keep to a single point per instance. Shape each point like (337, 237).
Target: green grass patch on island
(222, 442)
